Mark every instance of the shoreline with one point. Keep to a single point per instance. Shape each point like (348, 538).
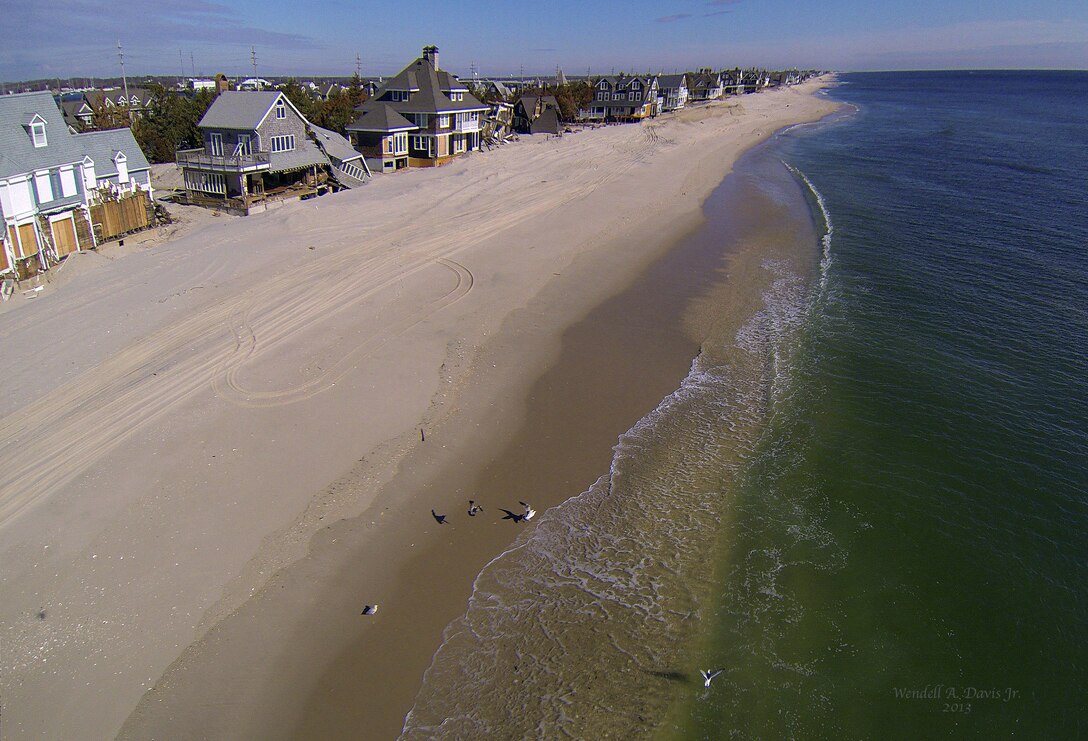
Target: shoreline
(294, 526)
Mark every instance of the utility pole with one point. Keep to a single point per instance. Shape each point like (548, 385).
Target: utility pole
(253, 58)
(181, 63)
(192, 62)
(124, 79)
(358, 66)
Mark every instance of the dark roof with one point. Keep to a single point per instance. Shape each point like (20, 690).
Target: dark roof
(427, 88)
(665, 81)
(380, 117)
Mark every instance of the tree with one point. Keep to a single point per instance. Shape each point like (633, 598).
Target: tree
(171, 123)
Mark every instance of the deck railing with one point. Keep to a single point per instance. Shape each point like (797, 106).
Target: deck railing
(235, 163)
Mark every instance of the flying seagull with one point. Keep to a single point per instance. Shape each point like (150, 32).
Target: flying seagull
(529, 511)
(370, 609)
(473, 508)
(511, 515)
(708, 675)
(440, 518)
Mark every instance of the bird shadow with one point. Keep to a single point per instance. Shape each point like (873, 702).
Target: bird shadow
(670, 675)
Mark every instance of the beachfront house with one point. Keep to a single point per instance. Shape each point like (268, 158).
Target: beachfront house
(623, 98)
(60, 192)
(426, 108)
(704, 85)
(259, 150)
(536, 114)
(673, 91)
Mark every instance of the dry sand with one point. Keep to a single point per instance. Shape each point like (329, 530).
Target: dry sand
(182, 419)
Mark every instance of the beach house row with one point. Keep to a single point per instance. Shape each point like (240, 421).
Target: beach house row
(62, 192)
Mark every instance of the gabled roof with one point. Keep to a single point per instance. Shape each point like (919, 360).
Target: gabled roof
(241, 110)
(102, 147)
(669, 81)
(18, 154)
(380, 116)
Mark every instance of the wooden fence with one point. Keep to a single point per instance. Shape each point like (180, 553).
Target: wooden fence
(114, 218)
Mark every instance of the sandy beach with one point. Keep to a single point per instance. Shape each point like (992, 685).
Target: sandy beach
(219, 445)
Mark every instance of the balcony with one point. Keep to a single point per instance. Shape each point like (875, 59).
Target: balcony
(200, 159)
(466, 125)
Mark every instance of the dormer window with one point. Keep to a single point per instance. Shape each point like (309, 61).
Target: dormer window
(281, 109)
(37, 133)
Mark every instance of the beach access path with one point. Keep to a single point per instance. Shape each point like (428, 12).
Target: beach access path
(180, 420)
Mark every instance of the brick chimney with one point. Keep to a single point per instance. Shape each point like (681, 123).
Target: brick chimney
(430, 53)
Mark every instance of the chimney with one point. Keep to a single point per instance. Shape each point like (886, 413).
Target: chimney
(430, 53)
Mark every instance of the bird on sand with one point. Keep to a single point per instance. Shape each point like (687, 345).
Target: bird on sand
(708, 675)
(370, 609)
(511, 515)
(473, 508)
(440, 518)
(529, 511)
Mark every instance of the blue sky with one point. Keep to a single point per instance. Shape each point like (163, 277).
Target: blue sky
(77, 38)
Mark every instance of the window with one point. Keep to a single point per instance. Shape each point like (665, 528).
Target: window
(617, 96)
(633, 95)
(457, 96)
(245, 145)
(284, 143)
(424, 145)
(215, 145)
(400, 144)
(43, 185)
(37, 131)
(122, 167)
(444, 122)
(281, 110)
(420, 120)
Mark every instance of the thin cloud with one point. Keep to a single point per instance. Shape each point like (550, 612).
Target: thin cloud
(716, 12)
(718, 3)
(673, 18)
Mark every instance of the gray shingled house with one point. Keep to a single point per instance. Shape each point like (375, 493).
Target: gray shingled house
(55, 186)
(258, 148)
(674, 91)
(423, 107)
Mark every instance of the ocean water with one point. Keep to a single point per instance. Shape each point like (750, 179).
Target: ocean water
(867, 506)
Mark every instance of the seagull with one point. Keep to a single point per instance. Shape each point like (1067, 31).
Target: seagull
(370, 609)
(529, 511)
(440, 518)
(473, 508)
(511, 515)
(709, 674)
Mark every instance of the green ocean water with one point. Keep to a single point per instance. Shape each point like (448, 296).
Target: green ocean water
(908, 554)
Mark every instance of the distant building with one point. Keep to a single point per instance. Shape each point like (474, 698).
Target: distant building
(196, 84)
(623, 98)
(536, 114)
(254, 83)
(704, 85)
(673, 91)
